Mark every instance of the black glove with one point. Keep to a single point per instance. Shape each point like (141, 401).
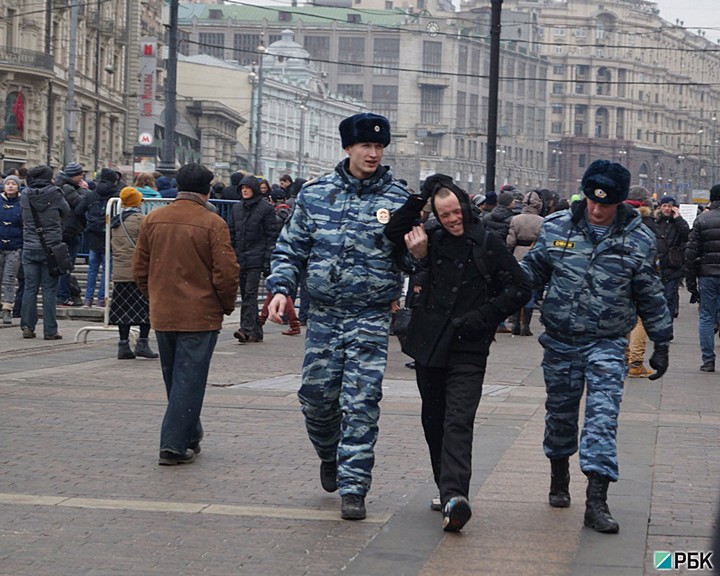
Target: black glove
(473, 326)
(431, 183)
(660, 360)
(694, 297)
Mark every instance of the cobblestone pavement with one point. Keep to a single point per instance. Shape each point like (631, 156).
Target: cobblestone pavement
(81, 492)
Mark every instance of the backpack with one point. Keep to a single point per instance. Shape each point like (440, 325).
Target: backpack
(95, 215)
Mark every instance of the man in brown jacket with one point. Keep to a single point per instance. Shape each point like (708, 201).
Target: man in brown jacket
(185, 265)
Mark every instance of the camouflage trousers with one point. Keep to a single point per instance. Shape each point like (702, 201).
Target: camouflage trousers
(569, 369)
(345, 359)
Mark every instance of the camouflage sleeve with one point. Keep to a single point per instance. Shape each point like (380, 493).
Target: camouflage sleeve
(536, 262)
(291, 250)
(650, 300)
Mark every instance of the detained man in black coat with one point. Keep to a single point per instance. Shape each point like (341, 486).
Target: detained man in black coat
(473, 283)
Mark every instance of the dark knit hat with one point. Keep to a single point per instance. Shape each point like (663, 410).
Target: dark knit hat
(194, 178)
(42, 173)
(365, 127)
(252, 182)
(505, 198)
(491, 198)
(606, 182)
(668, 200)
(715, 193)
(73, 169)
(108, 175)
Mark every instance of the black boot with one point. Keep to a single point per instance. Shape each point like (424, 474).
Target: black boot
(597, 513)
(526, 317)
(143, 350)
(124, 352)
(559, 496)
(515, 319)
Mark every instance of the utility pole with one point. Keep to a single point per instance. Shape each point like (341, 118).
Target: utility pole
(493, 84)
(167, 163)
(50, 118)
(70, 100)
(96, 158)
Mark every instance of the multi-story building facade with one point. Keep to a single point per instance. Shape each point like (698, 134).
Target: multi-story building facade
(427, 75)
(626, 85)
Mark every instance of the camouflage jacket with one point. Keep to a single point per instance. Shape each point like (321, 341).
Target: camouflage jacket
(596, 289)
(336, 233)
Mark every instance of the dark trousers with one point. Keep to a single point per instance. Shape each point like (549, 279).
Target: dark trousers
(185, 360)
(63, 290)
(249, 289)
(450, 398)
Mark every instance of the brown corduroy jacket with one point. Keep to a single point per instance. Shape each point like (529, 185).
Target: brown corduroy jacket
(186, 267)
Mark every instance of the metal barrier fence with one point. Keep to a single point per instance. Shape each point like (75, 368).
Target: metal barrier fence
(113, 208)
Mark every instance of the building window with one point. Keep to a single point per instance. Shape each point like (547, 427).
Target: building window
(579, 129)
(579, 88)
(430, 105)
(432, 57)
(319, 49)
(212, 43)
(556, 128)
(558, 32)
(351, 90)
(386, 56)
(474, 114)
(582, 160)
(557, 109)
(558, 88)
(461, 114)
(385, 101)
(351, 52)
(558, 69)
(245, 46)
(462, 62)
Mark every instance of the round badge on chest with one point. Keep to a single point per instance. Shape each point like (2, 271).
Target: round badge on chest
(383, 215)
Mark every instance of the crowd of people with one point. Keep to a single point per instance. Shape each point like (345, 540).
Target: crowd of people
(603, 267)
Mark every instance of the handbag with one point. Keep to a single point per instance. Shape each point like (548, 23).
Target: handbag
(400, 322)
(57, 256)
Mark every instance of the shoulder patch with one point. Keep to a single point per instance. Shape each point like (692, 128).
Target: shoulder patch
(563, 244)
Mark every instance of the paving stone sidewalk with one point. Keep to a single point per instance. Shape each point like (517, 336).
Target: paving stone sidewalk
(81, 492)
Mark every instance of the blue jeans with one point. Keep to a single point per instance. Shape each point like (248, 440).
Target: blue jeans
(36, 276)
(95, 260)
(185, 360)
(63, 289)
(709, 287)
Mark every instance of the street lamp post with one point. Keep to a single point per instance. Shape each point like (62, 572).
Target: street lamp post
(418, 149)
(301, 136)
(257, 164)
(557, 157)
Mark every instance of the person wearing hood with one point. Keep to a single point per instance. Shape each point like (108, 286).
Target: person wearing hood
(128, 306)
(673, 232)
(472, 283)
(51, 208)
(598, 261)
(165, 187)
(253, 230)
(523, 231)
(71, 183)
(93, 208)
(335, 233)
(11, 241)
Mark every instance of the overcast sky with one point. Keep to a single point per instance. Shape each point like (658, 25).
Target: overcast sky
(695, 13)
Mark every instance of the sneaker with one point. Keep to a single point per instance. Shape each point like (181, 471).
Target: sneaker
(241, 336)
(28, 332)
(195, 447)
(436, 504)
(66, 303)
(168, 458)
(456, 514)
(101, 303)
(708, 367)
(55, 336)
(88, 303)
(639, 371)
(353, 507)
(328, 475)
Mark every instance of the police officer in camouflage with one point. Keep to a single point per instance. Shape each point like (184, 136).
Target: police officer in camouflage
(336, 234)
(597, 259)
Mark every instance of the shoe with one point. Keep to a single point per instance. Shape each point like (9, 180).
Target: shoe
(101, 302)
(708, 367)
(254, 338)
(328, 475)
(88, 303)
(559, 496)
(6, 317)
(597, 513)
(124, 352)
(502, 330)
(241, 336)
(195, 447)
(168, 458)
(353, 507)
(410, 365)
(294, 328)
(639, 371)
(436, 504)
(66, 303)
(28, 333)
(456, 513)
(143, 350)
(55, 336)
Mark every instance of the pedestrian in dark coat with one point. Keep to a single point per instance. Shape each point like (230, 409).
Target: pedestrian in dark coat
(71, 183)
(672, 236)
(473, 283)
(253, 230)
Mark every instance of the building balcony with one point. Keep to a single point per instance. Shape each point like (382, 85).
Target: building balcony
(436, 81)
(26, 58)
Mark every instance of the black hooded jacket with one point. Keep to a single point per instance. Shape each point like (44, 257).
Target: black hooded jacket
(253, 228)
(72, 224)
(473, 282)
